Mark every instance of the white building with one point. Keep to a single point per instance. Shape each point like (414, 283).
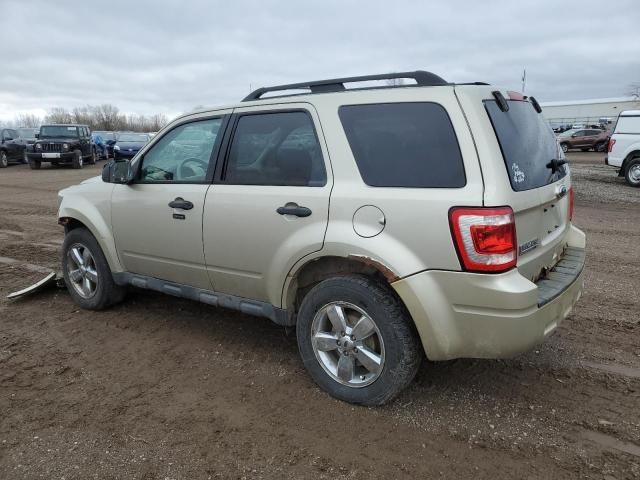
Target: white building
(587, 111)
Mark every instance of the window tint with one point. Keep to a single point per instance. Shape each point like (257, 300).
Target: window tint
(404, 145)
(527, 143)
(183, 154)
(275, 149)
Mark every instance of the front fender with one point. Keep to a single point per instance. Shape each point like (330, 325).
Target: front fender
(93, 209)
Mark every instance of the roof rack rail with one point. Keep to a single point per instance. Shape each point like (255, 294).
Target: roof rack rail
(422, 78)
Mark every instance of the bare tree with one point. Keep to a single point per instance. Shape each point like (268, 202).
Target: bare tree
(634, 90)
(106, 117)
(28, 120)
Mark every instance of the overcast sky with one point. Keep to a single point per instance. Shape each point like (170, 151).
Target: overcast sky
(169, 56)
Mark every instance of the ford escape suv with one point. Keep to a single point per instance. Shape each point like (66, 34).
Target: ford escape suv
(384, 223)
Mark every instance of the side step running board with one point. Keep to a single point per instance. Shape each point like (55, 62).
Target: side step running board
(244, 305)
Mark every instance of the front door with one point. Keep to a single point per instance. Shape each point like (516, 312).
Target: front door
(157, 220)
(269, 205)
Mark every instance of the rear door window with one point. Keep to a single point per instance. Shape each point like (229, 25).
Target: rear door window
(628, 124)
(527, 143)
(404, 145)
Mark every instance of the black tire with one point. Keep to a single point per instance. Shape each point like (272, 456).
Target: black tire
(632, 172)
(107, 292)
(585, 149)
(25, 158)
(34, 164)
(94, 156)
(599, 147)
(565, 147)
(77, 159)
(4, 161)
(403, 351)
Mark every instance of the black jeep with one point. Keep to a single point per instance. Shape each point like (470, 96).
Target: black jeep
(62, 144)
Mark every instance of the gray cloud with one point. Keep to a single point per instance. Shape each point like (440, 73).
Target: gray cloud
(148, 57)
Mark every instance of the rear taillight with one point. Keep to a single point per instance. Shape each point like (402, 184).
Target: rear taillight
(612, 142)
(571, 204)
(485, 238)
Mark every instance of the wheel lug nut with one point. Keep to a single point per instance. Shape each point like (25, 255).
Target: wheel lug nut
(353, 337)
(342, 333)
(338, 342)
(362, 377)
(355, 350)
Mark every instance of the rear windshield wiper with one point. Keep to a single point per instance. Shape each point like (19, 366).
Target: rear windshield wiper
(555, 164)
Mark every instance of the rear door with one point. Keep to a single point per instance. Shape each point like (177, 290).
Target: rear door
(269, 204)
(518, 152)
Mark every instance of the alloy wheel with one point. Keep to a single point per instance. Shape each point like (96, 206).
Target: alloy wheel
(82, 270)
(347, 344)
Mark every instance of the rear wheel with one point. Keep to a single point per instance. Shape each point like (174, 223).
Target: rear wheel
(357, 340)
(564, 147)
(585, 149)
(599, 147)
(77, 159)
(632, 174)
(94, 157)
(87, 273)
(4, 161)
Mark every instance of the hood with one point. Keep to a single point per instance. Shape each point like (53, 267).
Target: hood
(57, 140)
(132, 145)
(97, 179)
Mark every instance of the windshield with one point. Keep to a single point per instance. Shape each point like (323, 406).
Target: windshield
(58, 131)
(27, 132)
(105, 135)
(133, 137)
(527, 143)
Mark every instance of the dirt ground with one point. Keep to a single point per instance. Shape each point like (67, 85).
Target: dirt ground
(160, 388)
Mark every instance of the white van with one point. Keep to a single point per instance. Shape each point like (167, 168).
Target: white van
(624, 147)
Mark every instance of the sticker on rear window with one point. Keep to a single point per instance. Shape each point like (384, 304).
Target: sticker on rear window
(518, 175)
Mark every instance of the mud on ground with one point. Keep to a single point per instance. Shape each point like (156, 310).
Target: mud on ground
(165, 388)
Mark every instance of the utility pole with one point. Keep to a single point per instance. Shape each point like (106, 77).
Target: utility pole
(524, 79)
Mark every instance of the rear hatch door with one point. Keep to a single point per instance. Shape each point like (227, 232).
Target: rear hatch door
(520, 160)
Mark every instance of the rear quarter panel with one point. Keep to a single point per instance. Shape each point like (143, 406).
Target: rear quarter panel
(416, 235)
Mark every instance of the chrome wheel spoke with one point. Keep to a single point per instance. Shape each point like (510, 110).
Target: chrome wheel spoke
(92, 274)
(337, 318)
(346, 367)
(86, 286)
(76, 256)
(363, 329)
(325, 342)
(369, 360)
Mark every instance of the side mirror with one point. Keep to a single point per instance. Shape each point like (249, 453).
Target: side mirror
(574, 135)
(111, 142)
(117, 171)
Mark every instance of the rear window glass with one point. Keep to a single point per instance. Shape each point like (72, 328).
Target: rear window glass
(404, 145)
(527, 143)
(628, 124)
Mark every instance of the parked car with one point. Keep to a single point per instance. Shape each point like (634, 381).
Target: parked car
(584, 139)
(128, 144)
(62, 144)
(11, 147)
(108, 139)
(624, 147)
(27, 136)
(377, 253)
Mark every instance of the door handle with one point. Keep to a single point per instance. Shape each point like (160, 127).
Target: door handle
(181, 203)
(294, 209)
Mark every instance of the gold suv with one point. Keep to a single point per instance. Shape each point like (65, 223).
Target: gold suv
(384, 223)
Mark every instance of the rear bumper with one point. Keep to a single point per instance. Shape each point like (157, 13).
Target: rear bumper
(460, 314)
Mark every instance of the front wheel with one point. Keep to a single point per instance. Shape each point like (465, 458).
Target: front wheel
(357, 340)
(77, 159)
(25, 157)
(4, 161)
(632, 174)
(35, 164)
(87, 273)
